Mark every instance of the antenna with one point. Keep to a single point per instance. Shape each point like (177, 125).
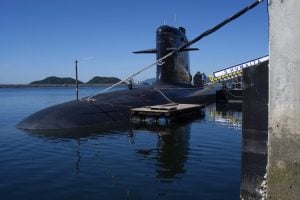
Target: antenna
(76, 61)
(175, 19)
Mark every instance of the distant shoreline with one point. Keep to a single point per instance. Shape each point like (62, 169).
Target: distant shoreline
(50, 85)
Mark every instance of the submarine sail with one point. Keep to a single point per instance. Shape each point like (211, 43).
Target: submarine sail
(176, 68)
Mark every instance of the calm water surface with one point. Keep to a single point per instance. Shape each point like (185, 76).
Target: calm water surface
(200, 159)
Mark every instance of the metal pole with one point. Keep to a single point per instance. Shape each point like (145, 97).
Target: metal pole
(76, 61)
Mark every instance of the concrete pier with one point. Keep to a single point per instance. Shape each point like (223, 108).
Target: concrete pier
(283, 168)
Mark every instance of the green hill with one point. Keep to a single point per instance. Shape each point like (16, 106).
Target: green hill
(56, 80)
(103, 80)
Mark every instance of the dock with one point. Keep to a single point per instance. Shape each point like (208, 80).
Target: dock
(165, 112)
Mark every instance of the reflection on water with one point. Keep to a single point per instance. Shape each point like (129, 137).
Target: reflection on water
(229, 115)
(78, 157)
(171, 150)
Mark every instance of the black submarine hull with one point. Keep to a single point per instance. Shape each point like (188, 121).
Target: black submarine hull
(107, 109)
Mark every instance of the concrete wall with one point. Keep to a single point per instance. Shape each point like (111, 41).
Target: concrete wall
(284, 100)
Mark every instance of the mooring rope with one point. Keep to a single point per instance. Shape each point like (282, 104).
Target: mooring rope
(158, 62)
(159, 91)
(183, 46)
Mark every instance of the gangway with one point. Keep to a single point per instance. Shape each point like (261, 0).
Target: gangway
(235, 71)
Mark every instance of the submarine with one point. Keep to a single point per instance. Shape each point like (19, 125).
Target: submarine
(173, 84)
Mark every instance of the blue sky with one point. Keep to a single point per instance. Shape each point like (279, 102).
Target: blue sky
(41, 38)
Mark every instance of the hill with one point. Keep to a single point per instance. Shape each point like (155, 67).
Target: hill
(103, 80)
(56, 80)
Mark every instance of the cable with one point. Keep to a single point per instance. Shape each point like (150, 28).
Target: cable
(159, 62)
(163, 95)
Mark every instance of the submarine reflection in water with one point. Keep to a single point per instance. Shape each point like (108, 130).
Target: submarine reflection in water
(172, 145)
(171, 150)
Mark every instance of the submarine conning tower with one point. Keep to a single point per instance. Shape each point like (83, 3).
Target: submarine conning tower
(175, 69)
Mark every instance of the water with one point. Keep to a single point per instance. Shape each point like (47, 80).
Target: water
(200, 159)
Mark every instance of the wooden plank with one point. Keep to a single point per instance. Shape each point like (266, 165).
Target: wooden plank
(166, 107)
(171, 111)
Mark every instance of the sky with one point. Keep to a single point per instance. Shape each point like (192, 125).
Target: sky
(41, 38)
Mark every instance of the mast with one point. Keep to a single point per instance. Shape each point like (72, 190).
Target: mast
(76, 71)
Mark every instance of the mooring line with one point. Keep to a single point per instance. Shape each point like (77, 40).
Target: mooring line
(159, 91)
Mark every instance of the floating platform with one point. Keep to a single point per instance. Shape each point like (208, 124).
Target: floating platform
(164, 113)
